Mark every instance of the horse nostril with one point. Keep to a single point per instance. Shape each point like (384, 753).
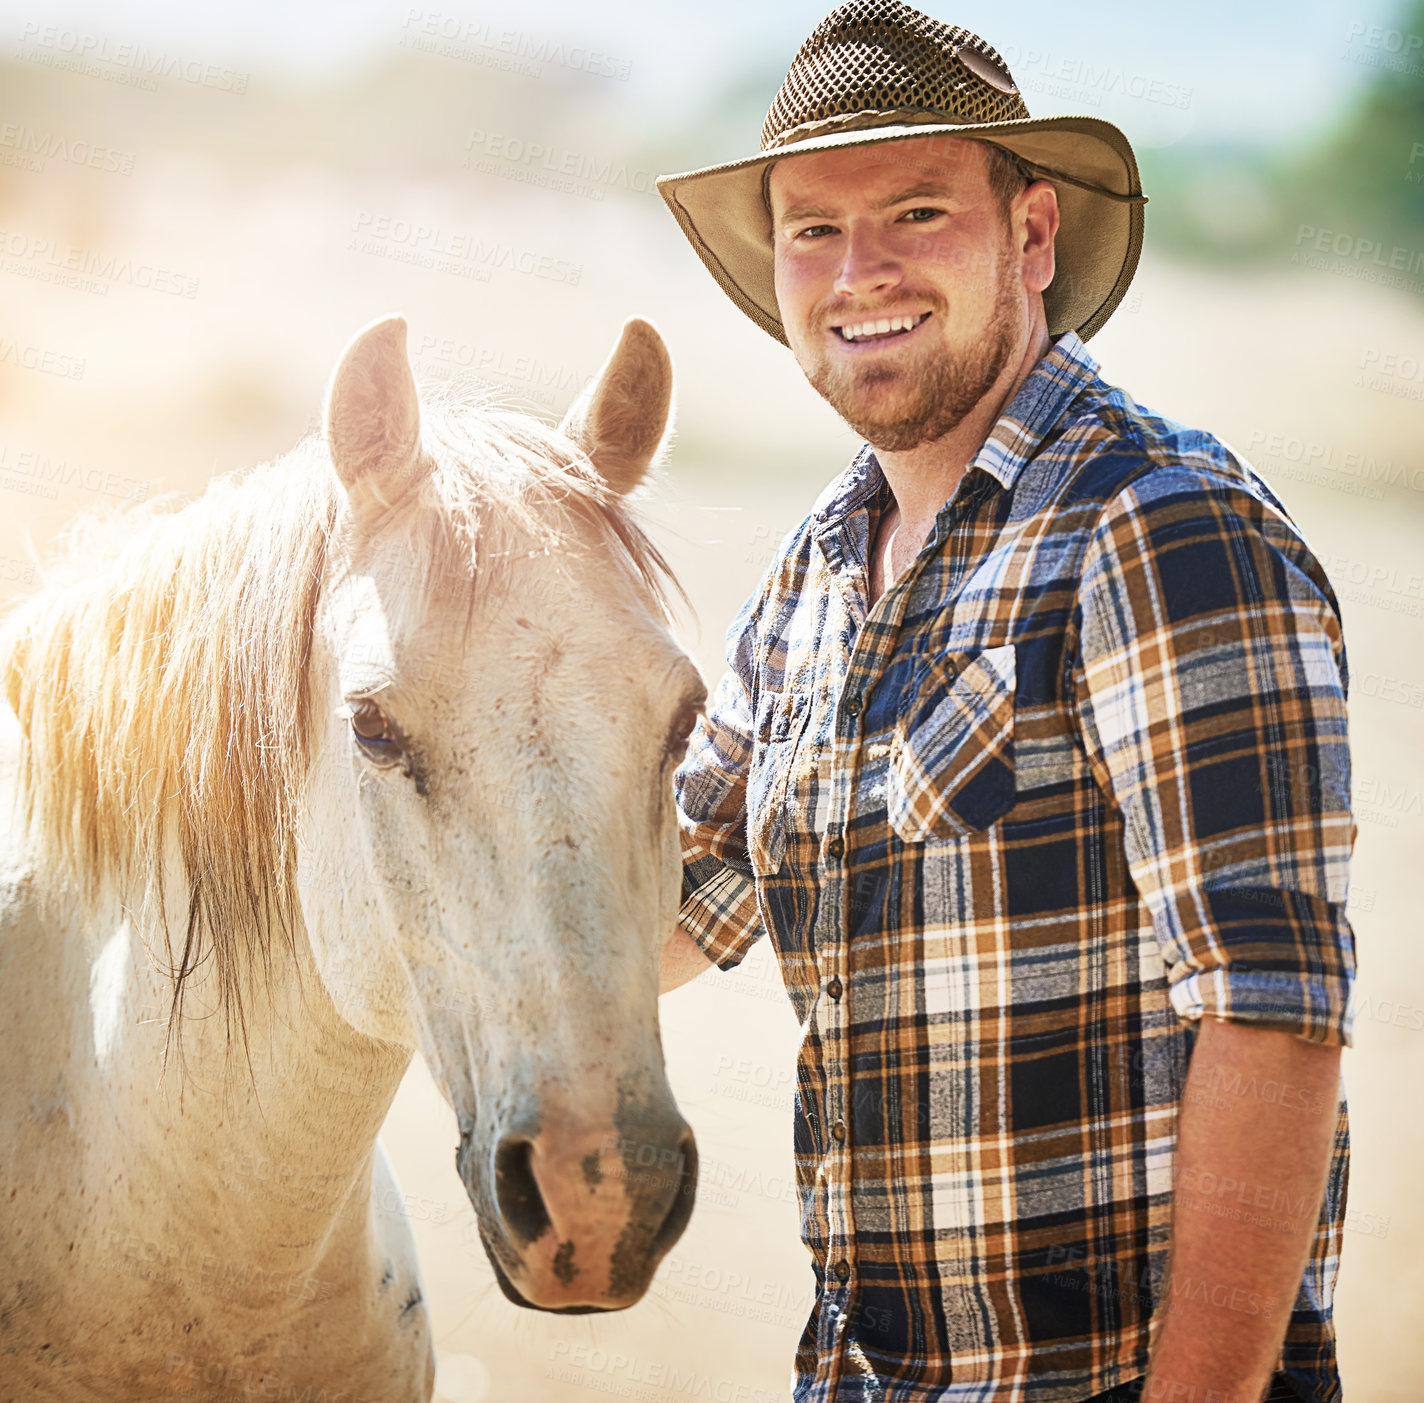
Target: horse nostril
(683, 1199)
(517, 1192)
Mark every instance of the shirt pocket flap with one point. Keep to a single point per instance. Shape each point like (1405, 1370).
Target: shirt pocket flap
(780, 718)
(952, 753)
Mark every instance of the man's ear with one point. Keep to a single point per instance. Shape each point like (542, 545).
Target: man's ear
(1037, 207)
(373, 415)
(622, 421)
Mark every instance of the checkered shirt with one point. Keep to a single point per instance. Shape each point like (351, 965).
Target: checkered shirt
(1080, 776)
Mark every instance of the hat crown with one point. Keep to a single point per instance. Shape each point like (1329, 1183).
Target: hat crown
(871, 58)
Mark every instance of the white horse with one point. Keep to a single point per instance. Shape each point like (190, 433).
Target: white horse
(370, 750)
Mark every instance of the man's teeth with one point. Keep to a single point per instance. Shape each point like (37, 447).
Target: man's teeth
(860, 330)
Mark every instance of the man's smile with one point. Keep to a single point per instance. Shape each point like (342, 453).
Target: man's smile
(880, 328)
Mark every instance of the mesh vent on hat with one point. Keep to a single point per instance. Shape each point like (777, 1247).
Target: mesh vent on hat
(882, 56)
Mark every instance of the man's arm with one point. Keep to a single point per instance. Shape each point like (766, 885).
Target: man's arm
(683, 959)
(718, 919)
(1253, 1151)
(1210, 687)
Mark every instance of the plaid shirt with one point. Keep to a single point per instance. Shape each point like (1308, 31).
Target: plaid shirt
(1079, 777)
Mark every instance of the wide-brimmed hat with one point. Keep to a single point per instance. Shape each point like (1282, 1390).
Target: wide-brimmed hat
(877, 70)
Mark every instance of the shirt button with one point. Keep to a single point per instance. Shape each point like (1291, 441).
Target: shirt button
(838, 1130)
(842, 1270)
(951, 671)
(851, 706)
(836, 847)
(835, 989)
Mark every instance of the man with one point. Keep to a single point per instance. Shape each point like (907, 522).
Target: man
(1032, 760)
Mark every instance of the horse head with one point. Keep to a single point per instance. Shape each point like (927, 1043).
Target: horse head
(489, 859)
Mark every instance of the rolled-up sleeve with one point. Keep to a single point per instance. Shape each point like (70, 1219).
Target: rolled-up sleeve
(719, 907)
(1210, 682)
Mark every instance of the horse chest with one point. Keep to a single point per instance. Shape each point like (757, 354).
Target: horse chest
(137, 1313)
(141, 1252)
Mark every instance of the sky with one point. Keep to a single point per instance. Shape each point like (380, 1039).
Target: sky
(1262, 71)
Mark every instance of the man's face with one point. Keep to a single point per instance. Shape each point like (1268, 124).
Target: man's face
(908, 233)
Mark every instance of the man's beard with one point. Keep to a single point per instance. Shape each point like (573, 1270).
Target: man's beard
(935, 395)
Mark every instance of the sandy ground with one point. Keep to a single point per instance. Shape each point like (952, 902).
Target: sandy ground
(150, 391)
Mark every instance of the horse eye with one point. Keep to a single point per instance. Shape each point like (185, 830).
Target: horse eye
(682, 726)
(370, 724)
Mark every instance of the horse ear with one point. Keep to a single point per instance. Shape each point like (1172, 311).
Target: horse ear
(622, 421)
(373, 412)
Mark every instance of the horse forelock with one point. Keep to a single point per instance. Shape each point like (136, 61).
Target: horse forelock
(160, 674)
(534, 484)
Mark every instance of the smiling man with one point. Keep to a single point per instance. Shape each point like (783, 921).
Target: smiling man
(1031, 759)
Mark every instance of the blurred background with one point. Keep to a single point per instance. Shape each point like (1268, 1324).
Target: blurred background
(198, 205)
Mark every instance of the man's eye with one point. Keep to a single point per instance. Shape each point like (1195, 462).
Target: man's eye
(919, 216)
(817, 231)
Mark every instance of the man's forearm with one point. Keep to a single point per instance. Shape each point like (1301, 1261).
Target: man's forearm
(1253, 1150)
(683, 959)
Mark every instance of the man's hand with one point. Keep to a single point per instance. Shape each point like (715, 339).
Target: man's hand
(683, 960)
(1253, 1149)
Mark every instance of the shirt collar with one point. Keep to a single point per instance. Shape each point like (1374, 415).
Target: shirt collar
(1052, 385)
(1050, 388)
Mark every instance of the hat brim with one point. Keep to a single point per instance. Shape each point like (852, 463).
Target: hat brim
(1099, 240)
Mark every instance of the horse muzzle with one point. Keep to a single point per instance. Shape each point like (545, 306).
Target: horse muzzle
(576, 1215)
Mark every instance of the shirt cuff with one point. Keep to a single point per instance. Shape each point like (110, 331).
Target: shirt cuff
(1280, 959)
(719, 911)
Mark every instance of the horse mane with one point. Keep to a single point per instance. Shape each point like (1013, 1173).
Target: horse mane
(160, 674)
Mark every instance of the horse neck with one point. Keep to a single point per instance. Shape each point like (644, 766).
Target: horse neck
(280, 1125)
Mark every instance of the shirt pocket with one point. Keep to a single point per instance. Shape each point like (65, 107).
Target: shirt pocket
(952, 752)
(780, 720)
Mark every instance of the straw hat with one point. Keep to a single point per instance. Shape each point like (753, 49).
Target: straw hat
(877, 70)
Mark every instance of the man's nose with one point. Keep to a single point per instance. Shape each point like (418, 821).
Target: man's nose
(868, 266)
